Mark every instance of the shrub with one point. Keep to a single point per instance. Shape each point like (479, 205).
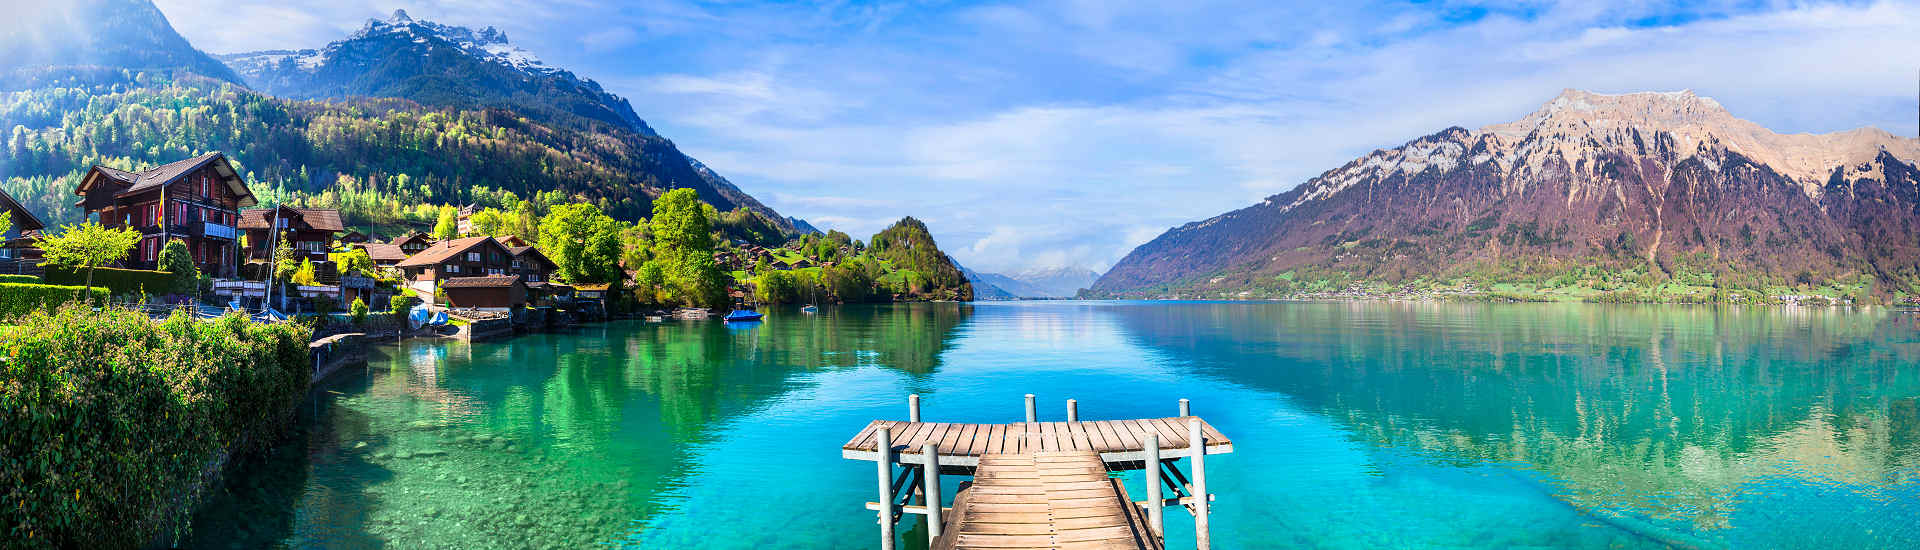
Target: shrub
(18, 299)
(119, 281)
(325, 305)
(358, 311)
(175, 259)
(400, 305)
(113, 418)
(25, 279)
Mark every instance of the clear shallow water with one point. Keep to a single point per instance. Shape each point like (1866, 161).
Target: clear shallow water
(1355, 426)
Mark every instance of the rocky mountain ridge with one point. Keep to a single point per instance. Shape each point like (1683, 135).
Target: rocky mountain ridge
(1588, 179)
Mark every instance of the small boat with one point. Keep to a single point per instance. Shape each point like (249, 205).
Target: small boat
(743, 316)
(809, 310)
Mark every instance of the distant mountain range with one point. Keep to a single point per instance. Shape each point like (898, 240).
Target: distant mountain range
(35, 36)
(583, 140)
(1063, 282)
(1663, 183)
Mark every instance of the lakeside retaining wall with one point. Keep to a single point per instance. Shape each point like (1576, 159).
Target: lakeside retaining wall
(329, 354)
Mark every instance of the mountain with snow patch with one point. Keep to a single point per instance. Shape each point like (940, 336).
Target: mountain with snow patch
(436, 65)
(1653, 182)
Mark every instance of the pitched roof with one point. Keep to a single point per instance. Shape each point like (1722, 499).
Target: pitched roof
(383, 252)
(26, 222)
(400, 240)
(445, 250)
(489, 281)
(164, 174)
(524, 252)
(320, 219)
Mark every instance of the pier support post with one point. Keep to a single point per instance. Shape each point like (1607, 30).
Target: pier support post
(913, 408)
(885, 461)
(1032, 414)
(1201, 539)
(1186, 408)
(1155, 500)
(1073, 410)
(932, 477)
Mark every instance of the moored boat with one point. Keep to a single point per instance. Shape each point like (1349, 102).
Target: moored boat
(743, 316)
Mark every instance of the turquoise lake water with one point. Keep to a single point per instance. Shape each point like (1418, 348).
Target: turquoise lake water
(1368, 425)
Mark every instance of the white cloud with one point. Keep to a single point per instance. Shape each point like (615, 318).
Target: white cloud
(1067, 132)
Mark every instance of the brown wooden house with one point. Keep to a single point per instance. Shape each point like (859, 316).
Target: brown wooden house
(383, 254)
(490, 293)
(454, 259)
(18, 243)
(308, 230)
(195, 200)
(532, 265)
(413, 244)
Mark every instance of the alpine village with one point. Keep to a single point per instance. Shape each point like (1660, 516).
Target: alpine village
(202, 254)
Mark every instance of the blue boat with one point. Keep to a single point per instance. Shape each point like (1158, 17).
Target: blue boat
(742, 316)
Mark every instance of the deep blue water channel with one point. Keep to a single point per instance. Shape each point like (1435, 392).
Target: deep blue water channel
(1363, 425)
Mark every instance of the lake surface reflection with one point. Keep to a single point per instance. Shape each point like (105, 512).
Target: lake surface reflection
(1355, 425)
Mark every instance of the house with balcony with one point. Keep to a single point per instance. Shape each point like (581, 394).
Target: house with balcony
(197, 201)
(308, 230)
(454, 259)
(383, 254)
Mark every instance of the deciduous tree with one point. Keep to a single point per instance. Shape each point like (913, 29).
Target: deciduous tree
(88, 245)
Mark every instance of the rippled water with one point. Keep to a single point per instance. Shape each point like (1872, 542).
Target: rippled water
(1355, 426)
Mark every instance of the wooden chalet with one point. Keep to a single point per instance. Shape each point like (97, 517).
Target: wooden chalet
(413, 244)
(513, 241)
(486, 293)
(196, 201)
(454, 259)
(532, 265)
(383, 254)
(19, 242)
(355, 237)
(308, 230)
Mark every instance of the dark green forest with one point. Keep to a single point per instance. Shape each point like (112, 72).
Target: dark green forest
(379, 160)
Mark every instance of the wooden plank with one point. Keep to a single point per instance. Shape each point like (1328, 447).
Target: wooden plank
(1098, 438)
(1214, 437)
(970, 443)
(1085, 438)
(1178, 426)
(1047, 441)
(866, 433)
(910, 432)
(984, 528)
(951, 437)
(1004, 541)
(1127, 440)
(1169, 437)
(1065, 433)
(1120, 532)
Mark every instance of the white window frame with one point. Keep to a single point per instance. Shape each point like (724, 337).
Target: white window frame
(452, 268)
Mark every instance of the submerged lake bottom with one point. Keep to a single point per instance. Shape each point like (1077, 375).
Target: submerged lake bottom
(1355, 425)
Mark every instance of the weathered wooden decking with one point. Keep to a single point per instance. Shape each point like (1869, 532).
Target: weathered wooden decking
(1048, 499)
(1117, 442)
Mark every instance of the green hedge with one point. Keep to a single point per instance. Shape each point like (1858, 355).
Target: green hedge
(112, 419)
(120, 281)
(27, 279)
(17, 299)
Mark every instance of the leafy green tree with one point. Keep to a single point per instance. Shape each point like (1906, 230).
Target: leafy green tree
(354, 262)
(175, 259)
(6, 222)
(848, 283)
(636, 246)
(88, 245)
(683, 249)
(776, 287)
(583, 242)
(358, 310)
(448, 224)
(526, 221)
(492, 222)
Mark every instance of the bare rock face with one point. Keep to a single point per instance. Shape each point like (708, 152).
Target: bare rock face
(1587, 179)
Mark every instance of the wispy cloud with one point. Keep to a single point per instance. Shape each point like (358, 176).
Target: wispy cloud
(1055, 133)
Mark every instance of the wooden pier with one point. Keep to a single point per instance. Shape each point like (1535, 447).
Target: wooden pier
(1039, 484)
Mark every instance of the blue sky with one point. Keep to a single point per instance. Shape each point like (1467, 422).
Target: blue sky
(1052, 134)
